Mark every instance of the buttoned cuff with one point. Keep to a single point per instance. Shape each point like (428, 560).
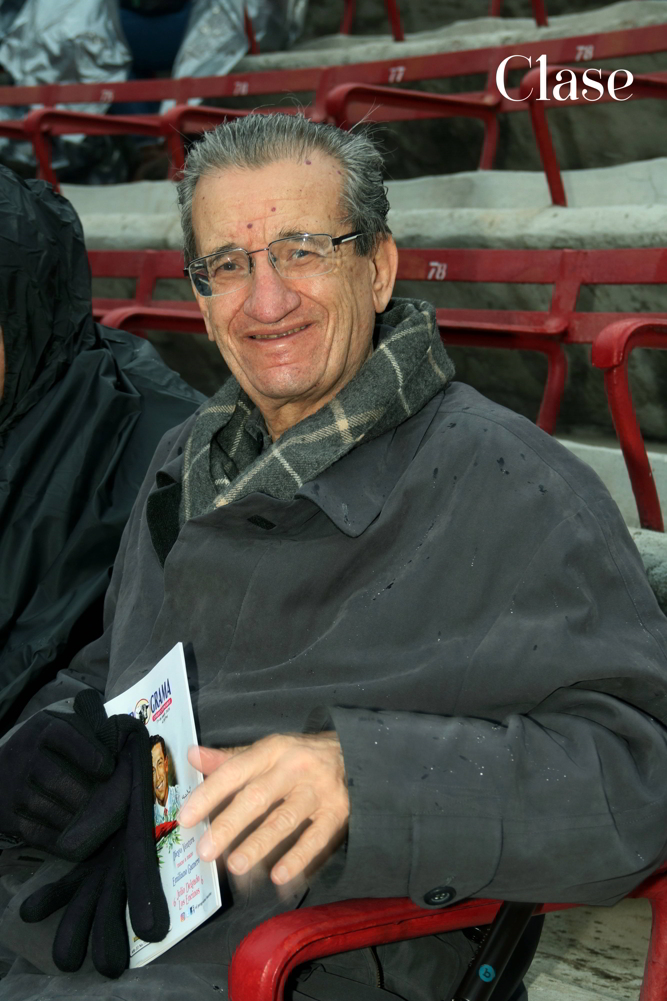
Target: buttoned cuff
(413, 830)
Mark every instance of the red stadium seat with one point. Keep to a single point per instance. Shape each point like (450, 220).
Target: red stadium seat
(350, 103)
(262, 963)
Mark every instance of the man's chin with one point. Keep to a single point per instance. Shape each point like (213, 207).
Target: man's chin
(285, 386)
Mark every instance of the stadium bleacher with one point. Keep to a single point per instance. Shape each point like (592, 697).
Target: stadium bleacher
(330, 101)
(355, 79)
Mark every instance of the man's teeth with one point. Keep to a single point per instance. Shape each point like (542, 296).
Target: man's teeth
(273, 337)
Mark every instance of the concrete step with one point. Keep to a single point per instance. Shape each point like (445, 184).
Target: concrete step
(605, 457)
(624, 205)
(477, 33)
(592, 954)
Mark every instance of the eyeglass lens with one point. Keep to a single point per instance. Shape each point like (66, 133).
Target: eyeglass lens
(292, 257)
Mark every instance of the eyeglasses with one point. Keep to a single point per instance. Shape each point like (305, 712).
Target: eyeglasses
(303, 255)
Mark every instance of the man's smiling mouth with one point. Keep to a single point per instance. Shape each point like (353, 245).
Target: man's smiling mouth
(273, 337)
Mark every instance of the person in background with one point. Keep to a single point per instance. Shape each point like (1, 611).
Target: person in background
(82, 409)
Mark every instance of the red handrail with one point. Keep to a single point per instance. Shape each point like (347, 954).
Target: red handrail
(646, 85)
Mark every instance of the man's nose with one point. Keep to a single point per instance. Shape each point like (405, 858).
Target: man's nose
(270, 297)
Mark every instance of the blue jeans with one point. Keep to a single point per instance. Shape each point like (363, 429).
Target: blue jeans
(154, 42)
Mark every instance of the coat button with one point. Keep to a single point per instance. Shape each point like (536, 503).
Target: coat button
(439, 896)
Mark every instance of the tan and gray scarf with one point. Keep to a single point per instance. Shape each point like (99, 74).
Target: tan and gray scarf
(225, 458)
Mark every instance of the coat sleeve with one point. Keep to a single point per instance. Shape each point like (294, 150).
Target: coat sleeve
(564, 800)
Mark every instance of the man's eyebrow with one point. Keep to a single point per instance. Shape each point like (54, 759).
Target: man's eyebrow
(223, 249)
(288, 231)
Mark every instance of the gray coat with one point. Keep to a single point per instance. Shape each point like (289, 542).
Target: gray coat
(461, 599)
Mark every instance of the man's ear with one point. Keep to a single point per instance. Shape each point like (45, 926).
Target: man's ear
(384, 265)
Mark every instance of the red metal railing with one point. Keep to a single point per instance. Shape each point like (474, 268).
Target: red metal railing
(647, 85)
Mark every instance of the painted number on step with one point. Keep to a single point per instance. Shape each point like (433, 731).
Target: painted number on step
(437, 271)
(396, 74)
(241, 87)
(584, 53)
(106, 95)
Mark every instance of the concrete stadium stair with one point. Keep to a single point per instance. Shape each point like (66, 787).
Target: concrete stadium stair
(476, 33)
(590, 954)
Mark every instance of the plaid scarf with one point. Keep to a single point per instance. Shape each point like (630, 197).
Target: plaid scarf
(225, 458)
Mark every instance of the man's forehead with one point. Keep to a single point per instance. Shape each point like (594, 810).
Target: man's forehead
(287, 196)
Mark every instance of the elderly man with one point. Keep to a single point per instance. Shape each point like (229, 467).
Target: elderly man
(425, 658)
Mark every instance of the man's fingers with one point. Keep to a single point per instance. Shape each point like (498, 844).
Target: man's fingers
(282, 821)
(250, 803)
(270, 792)
(319, 839)
(238, 766)
(207, 759)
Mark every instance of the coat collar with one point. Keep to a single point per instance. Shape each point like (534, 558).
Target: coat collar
(351, 492)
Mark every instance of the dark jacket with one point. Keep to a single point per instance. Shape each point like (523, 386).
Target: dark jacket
(82, 411)
(461, 599)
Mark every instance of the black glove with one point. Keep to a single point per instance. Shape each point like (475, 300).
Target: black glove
(60, 790)
(124, 871)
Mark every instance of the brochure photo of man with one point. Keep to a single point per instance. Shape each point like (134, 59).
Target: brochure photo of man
(167, 797)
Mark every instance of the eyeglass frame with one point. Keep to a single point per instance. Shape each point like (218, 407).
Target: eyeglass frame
(336, 242)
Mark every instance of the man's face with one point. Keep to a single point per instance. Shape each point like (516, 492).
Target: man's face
(292, 344)
(160, 774)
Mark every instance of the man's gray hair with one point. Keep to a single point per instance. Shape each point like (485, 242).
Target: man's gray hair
(258, 140)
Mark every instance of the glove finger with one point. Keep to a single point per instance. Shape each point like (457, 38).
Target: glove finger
(149, 910)
(118, 728)
(101, 816)
(89, 705)
(38, 834)
(111, 949)
(70, 738)
(52, 896)
(53, 793)
(71, 941)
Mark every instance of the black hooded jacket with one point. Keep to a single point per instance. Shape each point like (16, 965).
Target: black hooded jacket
(82, 411)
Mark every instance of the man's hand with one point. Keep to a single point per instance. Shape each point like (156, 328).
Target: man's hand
(291, 780)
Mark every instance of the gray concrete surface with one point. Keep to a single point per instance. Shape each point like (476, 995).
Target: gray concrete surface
(619, 206)
(607, 461)
(606, 458)
(424, 15)
(653, 550)
(592, 954)
(474, 32)
(584, 137)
